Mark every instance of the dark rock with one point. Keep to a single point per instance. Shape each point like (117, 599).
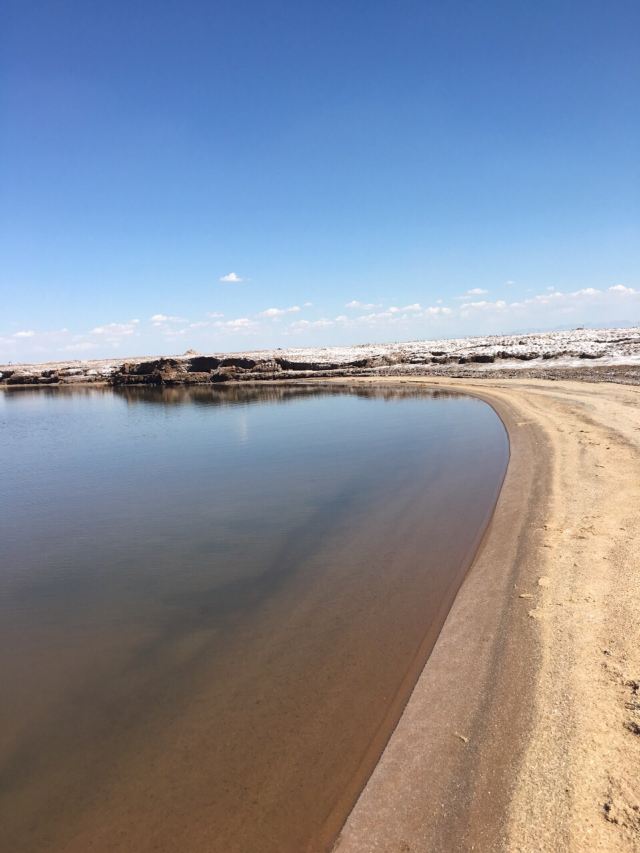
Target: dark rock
(203, 363)
(161, 371)
(285, 364)
(191, 378)
(482, 358)
(238, 361)
(17, 378)
(268, 365)
(146, 368)
(224, 374)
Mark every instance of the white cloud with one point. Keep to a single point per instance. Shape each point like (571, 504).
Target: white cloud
(279, 312)
(474, 291)
(116, 330)
(553, 307)
(364, 306)
(239, 324)
(375, 316)
(44, 343)
(484, 305)
(160, 319)
(410, 308)
(546, 308)
(620, 288)
(299, 325)
(78, 346)
(302, 325)
(231, 278)
(166, 324)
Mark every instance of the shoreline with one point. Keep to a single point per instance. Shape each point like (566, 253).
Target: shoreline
(403, 789)
(330, 837)
(521, 731)
(490, 709)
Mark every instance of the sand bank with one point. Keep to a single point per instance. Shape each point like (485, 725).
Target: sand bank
(523, 731)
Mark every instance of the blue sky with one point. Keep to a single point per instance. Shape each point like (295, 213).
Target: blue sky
(473, 166)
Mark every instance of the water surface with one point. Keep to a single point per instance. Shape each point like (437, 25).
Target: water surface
(213, 603)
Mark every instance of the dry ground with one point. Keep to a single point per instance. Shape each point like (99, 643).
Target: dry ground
(523, 732)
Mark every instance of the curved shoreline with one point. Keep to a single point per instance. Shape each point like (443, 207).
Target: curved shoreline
(523, 730)
(341, 626)
(452, 689)
(489, 752)
(345, 804)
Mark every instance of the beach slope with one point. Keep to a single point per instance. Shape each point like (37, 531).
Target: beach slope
(523, 731)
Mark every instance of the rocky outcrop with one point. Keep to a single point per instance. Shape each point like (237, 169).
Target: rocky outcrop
(477, 358)
(18, 378)
(203, 364)
(547, 352)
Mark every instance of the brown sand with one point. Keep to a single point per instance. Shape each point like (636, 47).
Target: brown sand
(523, 731)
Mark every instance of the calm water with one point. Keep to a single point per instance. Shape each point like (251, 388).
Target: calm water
(213, 603)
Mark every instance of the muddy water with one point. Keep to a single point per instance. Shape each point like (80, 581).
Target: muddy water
(213, 603)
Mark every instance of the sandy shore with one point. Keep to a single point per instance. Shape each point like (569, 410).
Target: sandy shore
(523, 731)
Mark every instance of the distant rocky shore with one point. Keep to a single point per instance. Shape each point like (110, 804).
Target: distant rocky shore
(595, 355)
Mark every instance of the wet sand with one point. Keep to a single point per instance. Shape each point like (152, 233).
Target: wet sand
(523, 731)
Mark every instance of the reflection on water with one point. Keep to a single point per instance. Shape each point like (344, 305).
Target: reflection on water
(209, 601)
(220, 395)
